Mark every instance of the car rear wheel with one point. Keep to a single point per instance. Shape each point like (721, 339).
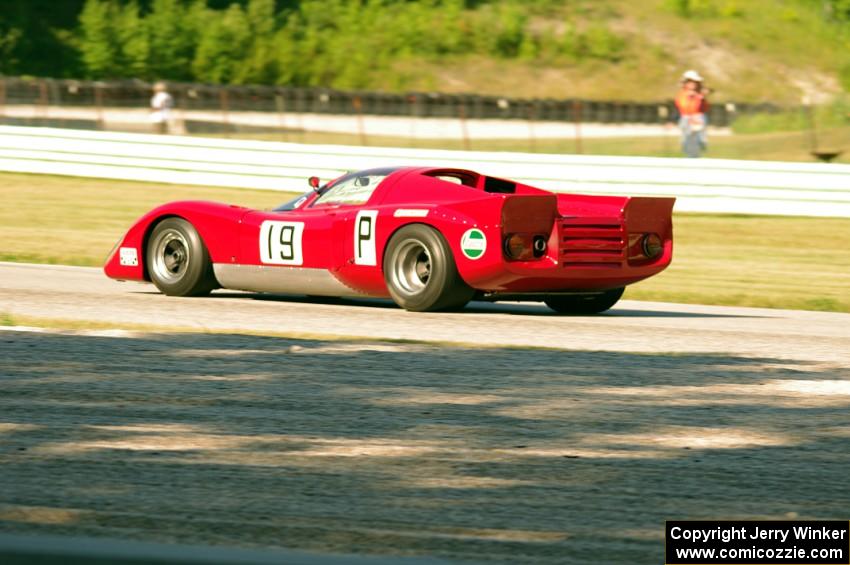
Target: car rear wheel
(178, 261)
(583, 304)
(420, 271)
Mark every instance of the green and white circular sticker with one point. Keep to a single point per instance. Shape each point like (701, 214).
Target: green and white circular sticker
(473, 243)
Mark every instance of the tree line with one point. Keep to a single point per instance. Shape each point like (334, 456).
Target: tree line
(340, 43)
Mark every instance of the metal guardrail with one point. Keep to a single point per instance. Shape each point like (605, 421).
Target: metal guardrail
(701, 185)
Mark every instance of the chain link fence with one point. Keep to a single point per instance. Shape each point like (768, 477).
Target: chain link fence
(281, 112)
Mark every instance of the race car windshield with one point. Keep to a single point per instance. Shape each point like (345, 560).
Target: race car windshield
(295, 203)
(354, 188)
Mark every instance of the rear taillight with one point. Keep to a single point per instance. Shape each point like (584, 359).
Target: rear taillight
(539, 246)
(645, 247)
(651, 245)
(524, 247)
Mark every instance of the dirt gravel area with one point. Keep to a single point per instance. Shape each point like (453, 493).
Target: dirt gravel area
(481, 454)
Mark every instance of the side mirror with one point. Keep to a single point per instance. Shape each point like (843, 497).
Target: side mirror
(314, 183)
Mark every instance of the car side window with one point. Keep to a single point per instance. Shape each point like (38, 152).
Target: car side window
(354, 190)
(456, 177)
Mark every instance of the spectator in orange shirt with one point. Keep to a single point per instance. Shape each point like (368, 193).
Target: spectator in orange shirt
(692, 106)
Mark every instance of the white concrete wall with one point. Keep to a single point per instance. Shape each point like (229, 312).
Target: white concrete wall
(703, 185)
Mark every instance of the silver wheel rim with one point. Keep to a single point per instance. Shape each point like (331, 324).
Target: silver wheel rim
(171, 256)
(411, 269)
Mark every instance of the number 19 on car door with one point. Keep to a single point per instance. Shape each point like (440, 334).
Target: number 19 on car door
(280, 243)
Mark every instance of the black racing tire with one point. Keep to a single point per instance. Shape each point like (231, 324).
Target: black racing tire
(584, 304)
(421, 273)
(178, 261)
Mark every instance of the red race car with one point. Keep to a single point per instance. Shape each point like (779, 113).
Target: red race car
(429, 238)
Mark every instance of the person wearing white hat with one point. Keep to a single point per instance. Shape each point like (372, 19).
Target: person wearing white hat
(693, 107)
(161, 104)
(692, 75)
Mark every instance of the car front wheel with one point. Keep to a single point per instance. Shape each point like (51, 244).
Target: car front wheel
(420, 271)
(178, 261)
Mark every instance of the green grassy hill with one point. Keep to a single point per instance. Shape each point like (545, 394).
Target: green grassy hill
(753, 50)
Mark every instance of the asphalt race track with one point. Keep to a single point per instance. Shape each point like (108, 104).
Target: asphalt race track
(79, 293)
(240, 420)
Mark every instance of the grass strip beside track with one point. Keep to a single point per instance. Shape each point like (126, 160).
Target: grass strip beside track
(76, 221)
(760, 261)
(10, 322)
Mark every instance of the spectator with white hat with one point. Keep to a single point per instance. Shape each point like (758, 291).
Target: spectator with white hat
(161, 104)
(692, 106)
